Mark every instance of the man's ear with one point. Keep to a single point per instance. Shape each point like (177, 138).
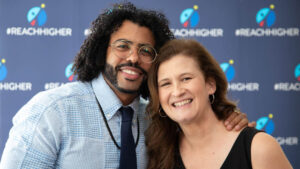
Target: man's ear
(211, 85)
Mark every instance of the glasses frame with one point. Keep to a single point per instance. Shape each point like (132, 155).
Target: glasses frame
(114, 50)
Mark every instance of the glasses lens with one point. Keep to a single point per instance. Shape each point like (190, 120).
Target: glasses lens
(121, 49)
(147, 54)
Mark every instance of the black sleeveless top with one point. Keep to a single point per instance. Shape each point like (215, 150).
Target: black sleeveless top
(239, 155)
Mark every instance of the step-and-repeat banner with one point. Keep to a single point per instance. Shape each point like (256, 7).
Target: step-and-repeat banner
(257, 44)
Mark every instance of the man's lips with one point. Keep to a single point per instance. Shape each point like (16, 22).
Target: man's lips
(131, 66)
(131, 71)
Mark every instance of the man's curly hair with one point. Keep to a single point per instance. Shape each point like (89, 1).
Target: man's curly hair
(91, 59)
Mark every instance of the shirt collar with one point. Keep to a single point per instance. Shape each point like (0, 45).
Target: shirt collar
(108, 100)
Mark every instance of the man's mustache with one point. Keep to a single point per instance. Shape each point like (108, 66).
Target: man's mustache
(135, 65)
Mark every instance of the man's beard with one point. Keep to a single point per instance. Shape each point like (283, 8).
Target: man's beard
(111, 75)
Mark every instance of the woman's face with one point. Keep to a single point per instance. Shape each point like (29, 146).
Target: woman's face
(183, 91)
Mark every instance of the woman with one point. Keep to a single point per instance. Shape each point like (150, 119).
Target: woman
(187, 107)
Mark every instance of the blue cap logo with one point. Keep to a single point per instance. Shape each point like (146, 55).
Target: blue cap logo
(37, 16)
(190, 17)
(266, 16)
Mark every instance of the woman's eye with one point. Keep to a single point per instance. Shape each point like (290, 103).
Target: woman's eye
(186, 79)
(164, 84)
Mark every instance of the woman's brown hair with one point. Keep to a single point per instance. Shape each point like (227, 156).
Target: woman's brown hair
(163, 134)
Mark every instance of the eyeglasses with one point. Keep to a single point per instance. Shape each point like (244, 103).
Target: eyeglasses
(123, 49)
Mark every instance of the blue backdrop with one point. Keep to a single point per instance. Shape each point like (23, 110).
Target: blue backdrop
(256, 43)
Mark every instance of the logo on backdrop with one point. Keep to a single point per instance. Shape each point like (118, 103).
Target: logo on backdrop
(266, 16)
(265, 21)
(266, 124)
(230, 73)
(290, 86)
(189, 19)
(11, 86)
(69, 73)
(228, 69)
(297, 72)
(37, 16)
(3, 70)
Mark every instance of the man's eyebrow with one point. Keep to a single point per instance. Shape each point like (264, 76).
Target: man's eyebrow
(125, 40)
(139, 44)
(144, 44)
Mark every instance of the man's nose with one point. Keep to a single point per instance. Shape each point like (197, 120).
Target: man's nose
(133, 55)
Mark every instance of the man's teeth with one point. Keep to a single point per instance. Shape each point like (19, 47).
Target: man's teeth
(182, 103)
(130, 72)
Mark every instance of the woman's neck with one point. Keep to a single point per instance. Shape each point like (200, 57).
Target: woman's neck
(201, 132)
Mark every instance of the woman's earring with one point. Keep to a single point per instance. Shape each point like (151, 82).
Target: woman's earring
(211, 98)
(159, 112)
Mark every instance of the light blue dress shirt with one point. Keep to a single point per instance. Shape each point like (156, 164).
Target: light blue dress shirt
(63, 128)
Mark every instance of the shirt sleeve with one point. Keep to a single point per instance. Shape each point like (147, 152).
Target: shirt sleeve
(34, 139)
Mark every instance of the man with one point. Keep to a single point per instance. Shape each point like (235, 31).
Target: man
(80, 125)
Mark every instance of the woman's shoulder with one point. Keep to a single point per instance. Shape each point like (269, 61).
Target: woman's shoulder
(263, 144)
(266, 152)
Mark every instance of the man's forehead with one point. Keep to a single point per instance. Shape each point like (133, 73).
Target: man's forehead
(134, 33)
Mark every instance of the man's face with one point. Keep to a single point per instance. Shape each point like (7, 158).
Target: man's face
(126, 74)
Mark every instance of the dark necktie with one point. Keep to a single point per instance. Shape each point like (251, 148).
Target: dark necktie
(128, 154)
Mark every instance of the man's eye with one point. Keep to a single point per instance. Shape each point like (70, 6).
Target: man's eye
(123, 46)
(146, 52)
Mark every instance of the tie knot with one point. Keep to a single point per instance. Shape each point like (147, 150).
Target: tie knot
(127, 114)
